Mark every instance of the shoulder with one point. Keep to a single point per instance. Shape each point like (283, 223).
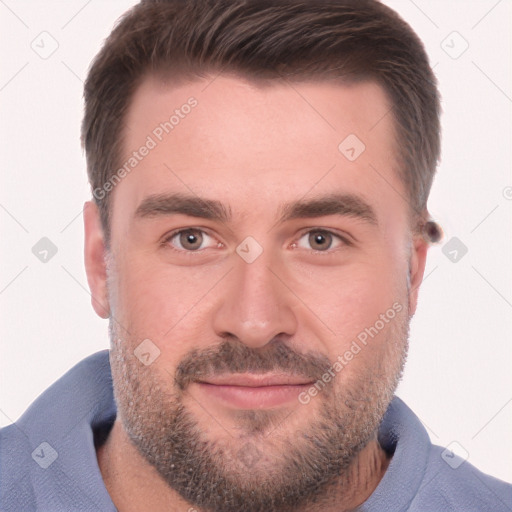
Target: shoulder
(423, 477)
(451, 483)
(54, 437)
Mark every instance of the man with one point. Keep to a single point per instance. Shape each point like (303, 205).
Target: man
(257, 239)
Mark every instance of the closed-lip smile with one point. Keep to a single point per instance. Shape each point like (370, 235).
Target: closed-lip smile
(254, 391)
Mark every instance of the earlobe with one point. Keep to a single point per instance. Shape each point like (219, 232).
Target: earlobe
(416, 271)
(95, 262)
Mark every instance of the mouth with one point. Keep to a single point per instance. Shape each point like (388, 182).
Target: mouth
(253, 391)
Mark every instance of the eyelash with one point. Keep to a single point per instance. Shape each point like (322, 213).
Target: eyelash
(343, 239)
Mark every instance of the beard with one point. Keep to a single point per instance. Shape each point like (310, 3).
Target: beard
(270, 462)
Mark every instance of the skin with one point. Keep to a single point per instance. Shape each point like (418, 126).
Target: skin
(253, 148)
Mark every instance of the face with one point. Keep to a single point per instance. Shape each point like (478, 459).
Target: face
(260, 281)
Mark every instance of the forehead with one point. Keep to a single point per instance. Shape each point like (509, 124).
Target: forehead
(244, 109)
(235, 140)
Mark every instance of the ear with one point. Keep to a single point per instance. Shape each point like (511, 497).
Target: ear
(416, 270)
(95, 262)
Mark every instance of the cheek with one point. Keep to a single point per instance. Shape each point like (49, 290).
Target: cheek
(352, 297)
(364, 306)
(371, 340)
(163, 303)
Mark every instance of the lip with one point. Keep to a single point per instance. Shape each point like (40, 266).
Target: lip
(251, 391)
(254, 380)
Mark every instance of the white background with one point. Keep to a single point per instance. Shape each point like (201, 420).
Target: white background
(458, 379)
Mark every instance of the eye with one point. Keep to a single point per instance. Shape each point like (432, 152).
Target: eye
(321, 240)
(191, 239)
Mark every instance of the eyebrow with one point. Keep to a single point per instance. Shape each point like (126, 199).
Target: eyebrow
(349, 205)
(194, 206)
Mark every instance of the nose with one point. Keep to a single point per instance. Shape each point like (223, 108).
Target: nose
(256, 306)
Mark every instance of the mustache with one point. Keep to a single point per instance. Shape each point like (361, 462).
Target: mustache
(235, 357)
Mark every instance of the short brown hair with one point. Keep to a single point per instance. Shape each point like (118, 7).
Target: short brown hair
(351, 40)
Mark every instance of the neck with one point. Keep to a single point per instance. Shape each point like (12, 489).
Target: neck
(134, 485)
